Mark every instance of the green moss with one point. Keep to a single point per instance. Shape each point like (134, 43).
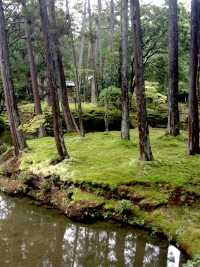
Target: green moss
(150, 196)
(178, 223)
(103, 159)
(85, 196)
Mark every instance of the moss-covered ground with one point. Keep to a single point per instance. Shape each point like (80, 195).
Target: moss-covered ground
(105, 158)
(163, 195)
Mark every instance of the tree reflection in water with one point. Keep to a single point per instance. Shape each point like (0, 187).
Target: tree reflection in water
(35, 237)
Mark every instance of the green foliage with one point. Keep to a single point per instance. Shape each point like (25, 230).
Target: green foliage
(124, 206)
(33, 125)
(153, 95)
(105, 158)
(46, 185)
(110, 96)
(3, 148)
(195, 262)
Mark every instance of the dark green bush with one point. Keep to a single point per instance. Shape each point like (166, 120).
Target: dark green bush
(2, 125)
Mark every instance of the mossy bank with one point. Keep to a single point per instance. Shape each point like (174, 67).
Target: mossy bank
(105, 180)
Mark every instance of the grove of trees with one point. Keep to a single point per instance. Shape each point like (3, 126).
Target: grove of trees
(99, 44)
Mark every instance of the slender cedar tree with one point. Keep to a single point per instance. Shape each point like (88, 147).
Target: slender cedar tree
(31, 58)
(77, 73)
(173, 111)
(82, 40)
(144, 141)
(92, 35)
(18, 140)
(132, 74)
(57, 124)
(82, 46)
(98, 56)
(60, 74)
(112, 24)
(193, 116)
(124, 70)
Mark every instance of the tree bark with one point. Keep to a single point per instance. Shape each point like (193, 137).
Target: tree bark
(112, 23)
(173, 111)
(82, 41)
(99, 47)
(132, 78)
(63, 95)
(33, 72)
(18, 140)
(144, 141)
(57, 124)
(82, 45)
(193, 116)
(124, 70)
(94, 89)
(77, 73)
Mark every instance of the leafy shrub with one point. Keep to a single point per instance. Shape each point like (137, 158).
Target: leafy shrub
(152, 94)
(153, 97)
(110, 96)
(33, 125)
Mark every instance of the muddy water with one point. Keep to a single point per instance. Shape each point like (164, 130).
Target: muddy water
(36, 237)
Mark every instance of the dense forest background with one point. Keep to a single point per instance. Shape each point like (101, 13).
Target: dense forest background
(155, 27)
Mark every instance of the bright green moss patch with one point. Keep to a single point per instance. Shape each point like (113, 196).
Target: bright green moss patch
(103, 158)
(150, 196)
(78, 195)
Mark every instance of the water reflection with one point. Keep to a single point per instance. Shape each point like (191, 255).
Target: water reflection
(34, 237)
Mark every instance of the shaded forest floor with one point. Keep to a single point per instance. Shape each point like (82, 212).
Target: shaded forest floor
(104, 179)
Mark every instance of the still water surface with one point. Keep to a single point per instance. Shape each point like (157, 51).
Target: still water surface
(35, 237)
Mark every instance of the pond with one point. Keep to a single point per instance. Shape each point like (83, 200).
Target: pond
(32, 236)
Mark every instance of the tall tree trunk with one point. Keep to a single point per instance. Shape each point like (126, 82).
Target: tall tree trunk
(132, 78)
(77, 73)
(82, 45)
(124, 70)
(99, 47)
(68, 117)
(112, 23)
(144, 141)
(82, 41)
(18, 140)
(193, 117)
(63, 95)
(173, 112)
(94, 89)
(57, 124)
(33, 72)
